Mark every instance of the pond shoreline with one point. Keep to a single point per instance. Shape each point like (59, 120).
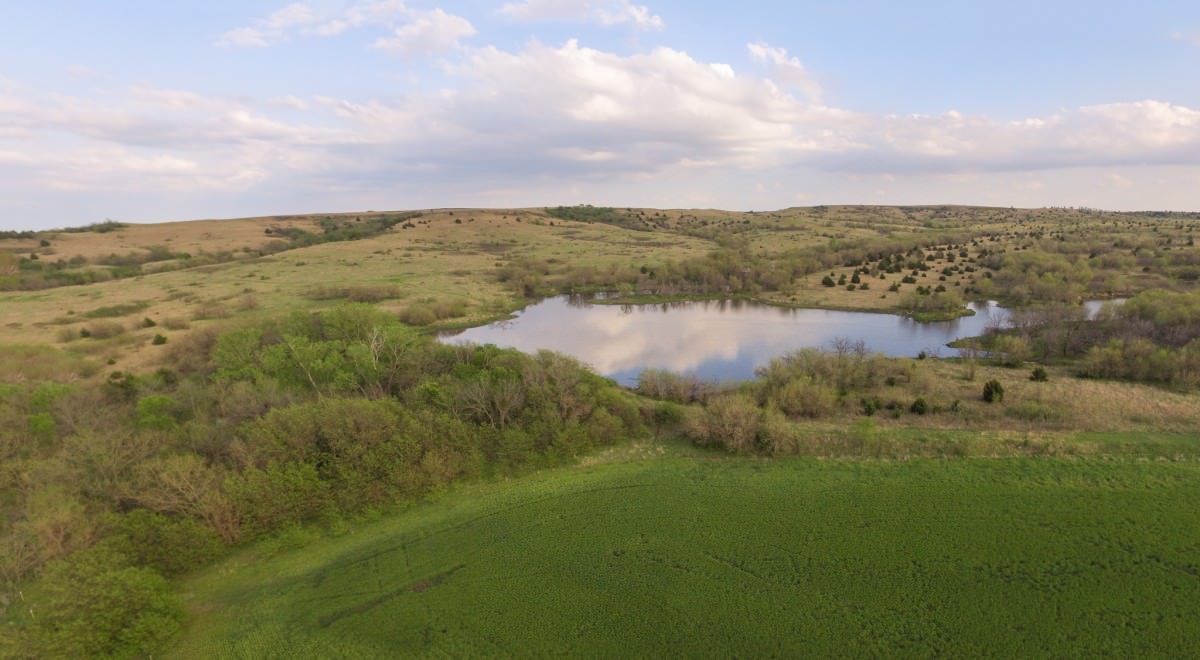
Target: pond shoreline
(718, 338)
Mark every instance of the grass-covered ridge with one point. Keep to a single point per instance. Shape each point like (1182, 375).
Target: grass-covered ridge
(685, 557)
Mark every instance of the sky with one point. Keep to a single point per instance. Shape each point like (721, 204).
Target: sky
(143, 110)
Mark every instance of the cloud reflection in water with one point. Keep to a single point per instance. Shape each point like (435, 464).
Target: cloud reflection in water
(721, 340)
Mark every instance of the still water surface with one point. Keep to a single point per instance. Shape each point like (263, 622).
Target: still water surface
(716, 340)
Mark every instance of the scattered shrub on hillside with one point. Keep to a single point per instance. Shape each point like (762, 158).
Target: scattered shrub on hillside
(431, 310)
(158, 340)
(103, 330)
(1039, 374)
(871, 405)
(919, 406)
(211, 310)
(993, 391)
(1034, 411)
(115, 310)
(362, 294)
(418, 315)
(148, 322)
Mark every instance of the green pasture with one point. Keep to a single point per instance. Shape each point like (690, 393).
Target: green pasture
(710, 557)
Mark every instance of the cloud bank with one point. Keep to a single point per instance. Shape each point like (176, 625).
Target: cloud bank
(544, 123)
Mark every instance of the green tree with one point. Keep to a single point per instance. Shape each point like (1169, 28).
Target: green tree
(171, 545)
(96, 604)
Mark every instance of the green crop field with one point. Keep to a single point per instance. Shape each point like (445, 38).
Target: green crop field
(694, 556)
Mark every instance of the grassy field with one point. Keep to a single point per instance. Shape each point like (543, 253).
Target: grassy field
(657, 554)
(447, 257)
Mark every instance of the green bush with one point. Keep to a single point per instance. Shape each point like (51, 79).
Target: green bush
(993, 391)
(418, 314)
(158, 340)
(280, 495)
(95, 604)
(1039, 374)
(919, 406)
(42, 427)
(804, 397)
(729, 421)
(1013, 350)
(171, 545)
(871, 405)
(157, 412)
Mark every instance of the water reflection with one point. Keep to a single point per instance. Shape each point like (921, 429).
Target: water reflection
(718, 340)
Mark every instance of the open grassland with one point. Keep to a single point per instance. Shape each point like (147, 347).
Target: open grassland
(688, 557)
(447, 259)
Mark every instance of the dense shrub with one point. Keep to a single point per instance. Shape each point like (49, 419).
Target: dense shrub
(803, 397)
(993, 391)
(1011, 350)
(96, 604)
(663, 384)
(171, 545)
(728, 421)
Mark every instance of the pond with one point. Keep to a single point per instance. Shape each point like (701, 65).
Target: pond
(715, 340)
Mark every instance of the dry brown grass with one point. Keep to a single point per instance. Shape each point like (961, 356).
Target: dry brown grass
(1065, 403)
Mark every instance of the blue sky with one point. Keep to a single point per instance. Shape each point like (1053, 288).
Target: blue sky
(146, 111)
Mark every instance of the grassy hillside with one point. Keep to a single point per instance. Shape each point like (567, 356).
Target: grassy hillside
(700, 557)
(462, 266)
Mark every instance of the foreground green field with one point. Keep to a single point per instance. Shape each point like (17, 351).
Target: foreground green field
(693, 556)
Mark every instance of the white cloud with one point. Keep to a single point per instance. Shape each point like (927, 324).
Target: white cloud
(247, 37)
(428, 33)
(1118, 180)
(548, 10)
(787, 70)
(545, 120)
(1190, 37)
(626, 12)
(604, 12)
(300, 19)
